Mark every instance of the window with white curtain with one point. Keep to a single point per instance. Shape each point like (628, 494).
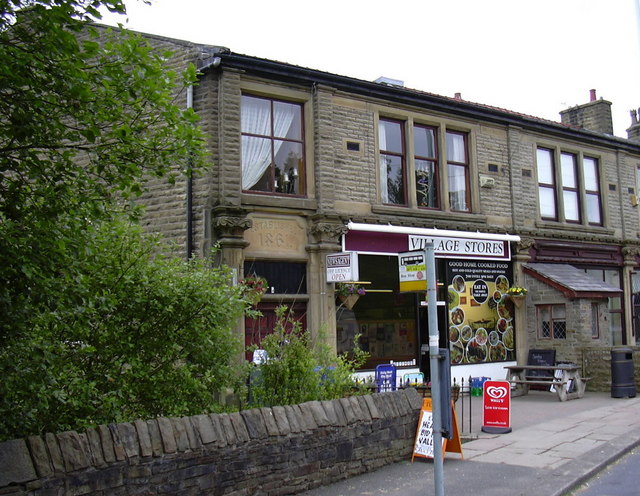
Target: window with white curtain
(272, 146)
(568, 187)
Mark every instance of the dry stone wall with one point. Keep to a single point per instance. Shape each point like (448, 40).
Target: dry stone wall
(268, 451)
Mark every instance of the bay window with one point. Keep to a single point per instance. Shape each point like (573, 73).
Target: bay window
(272, 146)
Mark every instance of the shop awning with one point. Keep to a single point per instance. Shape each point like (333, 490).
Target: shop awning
(390, 239)
(570, 281)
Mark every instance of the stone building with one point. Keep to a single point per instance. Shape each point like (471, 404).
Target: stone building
(306, 164)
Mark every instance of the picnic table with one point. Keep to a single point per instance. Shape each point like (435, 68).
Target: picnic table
(564, 379)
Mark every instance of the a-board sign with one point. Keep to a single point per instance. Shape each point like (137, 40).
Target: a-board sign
(496, 402)
(412, 271)
(423, 444)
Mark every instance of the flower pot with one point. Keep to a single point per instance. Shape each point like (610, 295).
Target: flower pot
(349, 300)
(517, 300)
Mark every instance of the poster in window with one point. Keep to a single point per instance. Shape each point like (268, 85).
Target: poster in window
(481, 326)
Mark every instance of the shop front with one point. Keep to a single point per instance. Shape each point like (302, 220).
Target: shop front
(476, 313)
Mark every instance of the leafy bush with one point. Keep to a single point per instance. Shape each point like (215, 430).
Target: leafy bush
(134, 335)
(298, 370)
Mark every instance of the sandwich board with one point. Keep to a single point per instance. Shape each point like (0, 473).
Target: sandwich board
(423, 445)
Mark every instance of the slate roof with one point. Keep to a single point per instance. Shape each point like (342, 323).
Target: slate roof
(572, 282)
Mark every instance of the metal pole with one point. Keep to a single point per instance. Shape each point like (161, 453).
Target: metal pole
(434, 355)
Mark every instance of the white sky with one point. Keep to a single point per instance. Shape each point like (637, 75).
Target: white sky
(537, 57)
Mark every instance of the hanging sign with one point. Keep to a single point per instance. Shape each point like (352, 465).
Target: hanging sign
(423, 445)
(496, 400)
(412, 268)
(342, 267)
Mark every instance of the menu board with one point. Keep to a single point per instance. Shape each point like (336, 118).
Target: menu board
(481, 326)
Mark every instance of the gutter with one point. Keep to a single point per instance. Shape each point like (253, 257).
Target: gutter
(309, 77)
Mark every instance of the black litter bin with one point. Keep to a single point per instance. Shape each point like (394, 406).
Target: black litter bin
(622, 376)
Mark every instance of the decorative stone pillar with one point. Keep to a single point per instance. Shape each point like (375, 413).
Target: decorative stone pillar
(631, 255)
(521, 257)
(325, 234)
(228, 225)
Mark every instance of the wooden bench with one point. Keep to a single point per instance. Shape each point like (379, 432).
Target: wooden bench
(568, 386)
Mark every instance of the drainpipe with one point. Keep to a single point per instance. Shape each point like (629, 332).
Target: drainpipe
(190, 188)
(213, 61)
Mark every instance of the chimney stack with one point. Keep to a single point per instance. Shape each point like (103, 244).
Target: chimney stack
(592, 116)
(633, 132)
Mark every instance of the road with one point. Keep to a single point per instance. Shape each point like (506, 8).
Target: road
(620, 479)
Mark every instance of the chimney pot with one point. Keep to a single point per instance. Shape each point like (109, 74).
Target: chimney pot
(593, 95)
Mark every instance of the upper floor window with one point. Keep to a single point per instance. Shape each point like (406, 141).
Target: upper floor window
(458, 168)
(570, 192)
(426, 165)
(272, 146)
(433, 179)
(392, 162)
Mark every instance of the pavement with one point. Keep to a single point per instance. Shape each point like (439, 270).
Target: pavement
(553, 448)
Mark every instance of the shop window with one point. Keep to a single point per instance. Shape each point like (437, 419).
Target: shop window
(282, 277)
(615, 308)
(552, 321)
(272, 146)
(635, 304)
(392, 162)
(384, 318)
(568, 188)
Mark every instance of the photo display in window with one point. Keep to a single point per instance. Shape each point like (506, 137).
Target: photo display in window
(481, 325)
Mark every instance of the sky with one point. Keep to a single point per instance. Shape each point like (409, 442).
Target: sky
(537, 57)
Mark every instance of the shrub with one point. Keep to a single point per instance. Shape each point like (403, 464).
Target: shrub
(297, 370)
(133, 335)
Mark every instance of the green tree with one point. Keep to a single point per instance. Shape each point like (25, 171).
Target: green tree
(84, 116)
(94, 326)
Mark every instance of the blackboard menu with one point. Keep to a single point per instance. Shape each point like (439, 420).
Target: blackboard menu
(541, 357)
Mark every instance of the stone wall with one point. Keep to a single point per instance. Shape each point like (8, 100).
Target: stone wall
(267, 451)
(596, 364)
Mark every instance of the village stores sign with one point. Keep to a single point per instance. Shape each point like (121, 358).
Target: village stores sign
(391, 240)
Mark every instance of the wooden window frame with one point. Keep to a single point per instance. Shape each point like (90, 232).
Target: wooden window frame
(278, 188)
(552, 332)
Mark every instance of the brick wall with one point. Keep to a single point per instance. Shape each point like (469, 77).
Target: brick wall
(270, 451)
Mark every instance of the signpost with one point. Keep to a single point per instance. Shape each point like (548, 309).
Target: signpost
(496, 400)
